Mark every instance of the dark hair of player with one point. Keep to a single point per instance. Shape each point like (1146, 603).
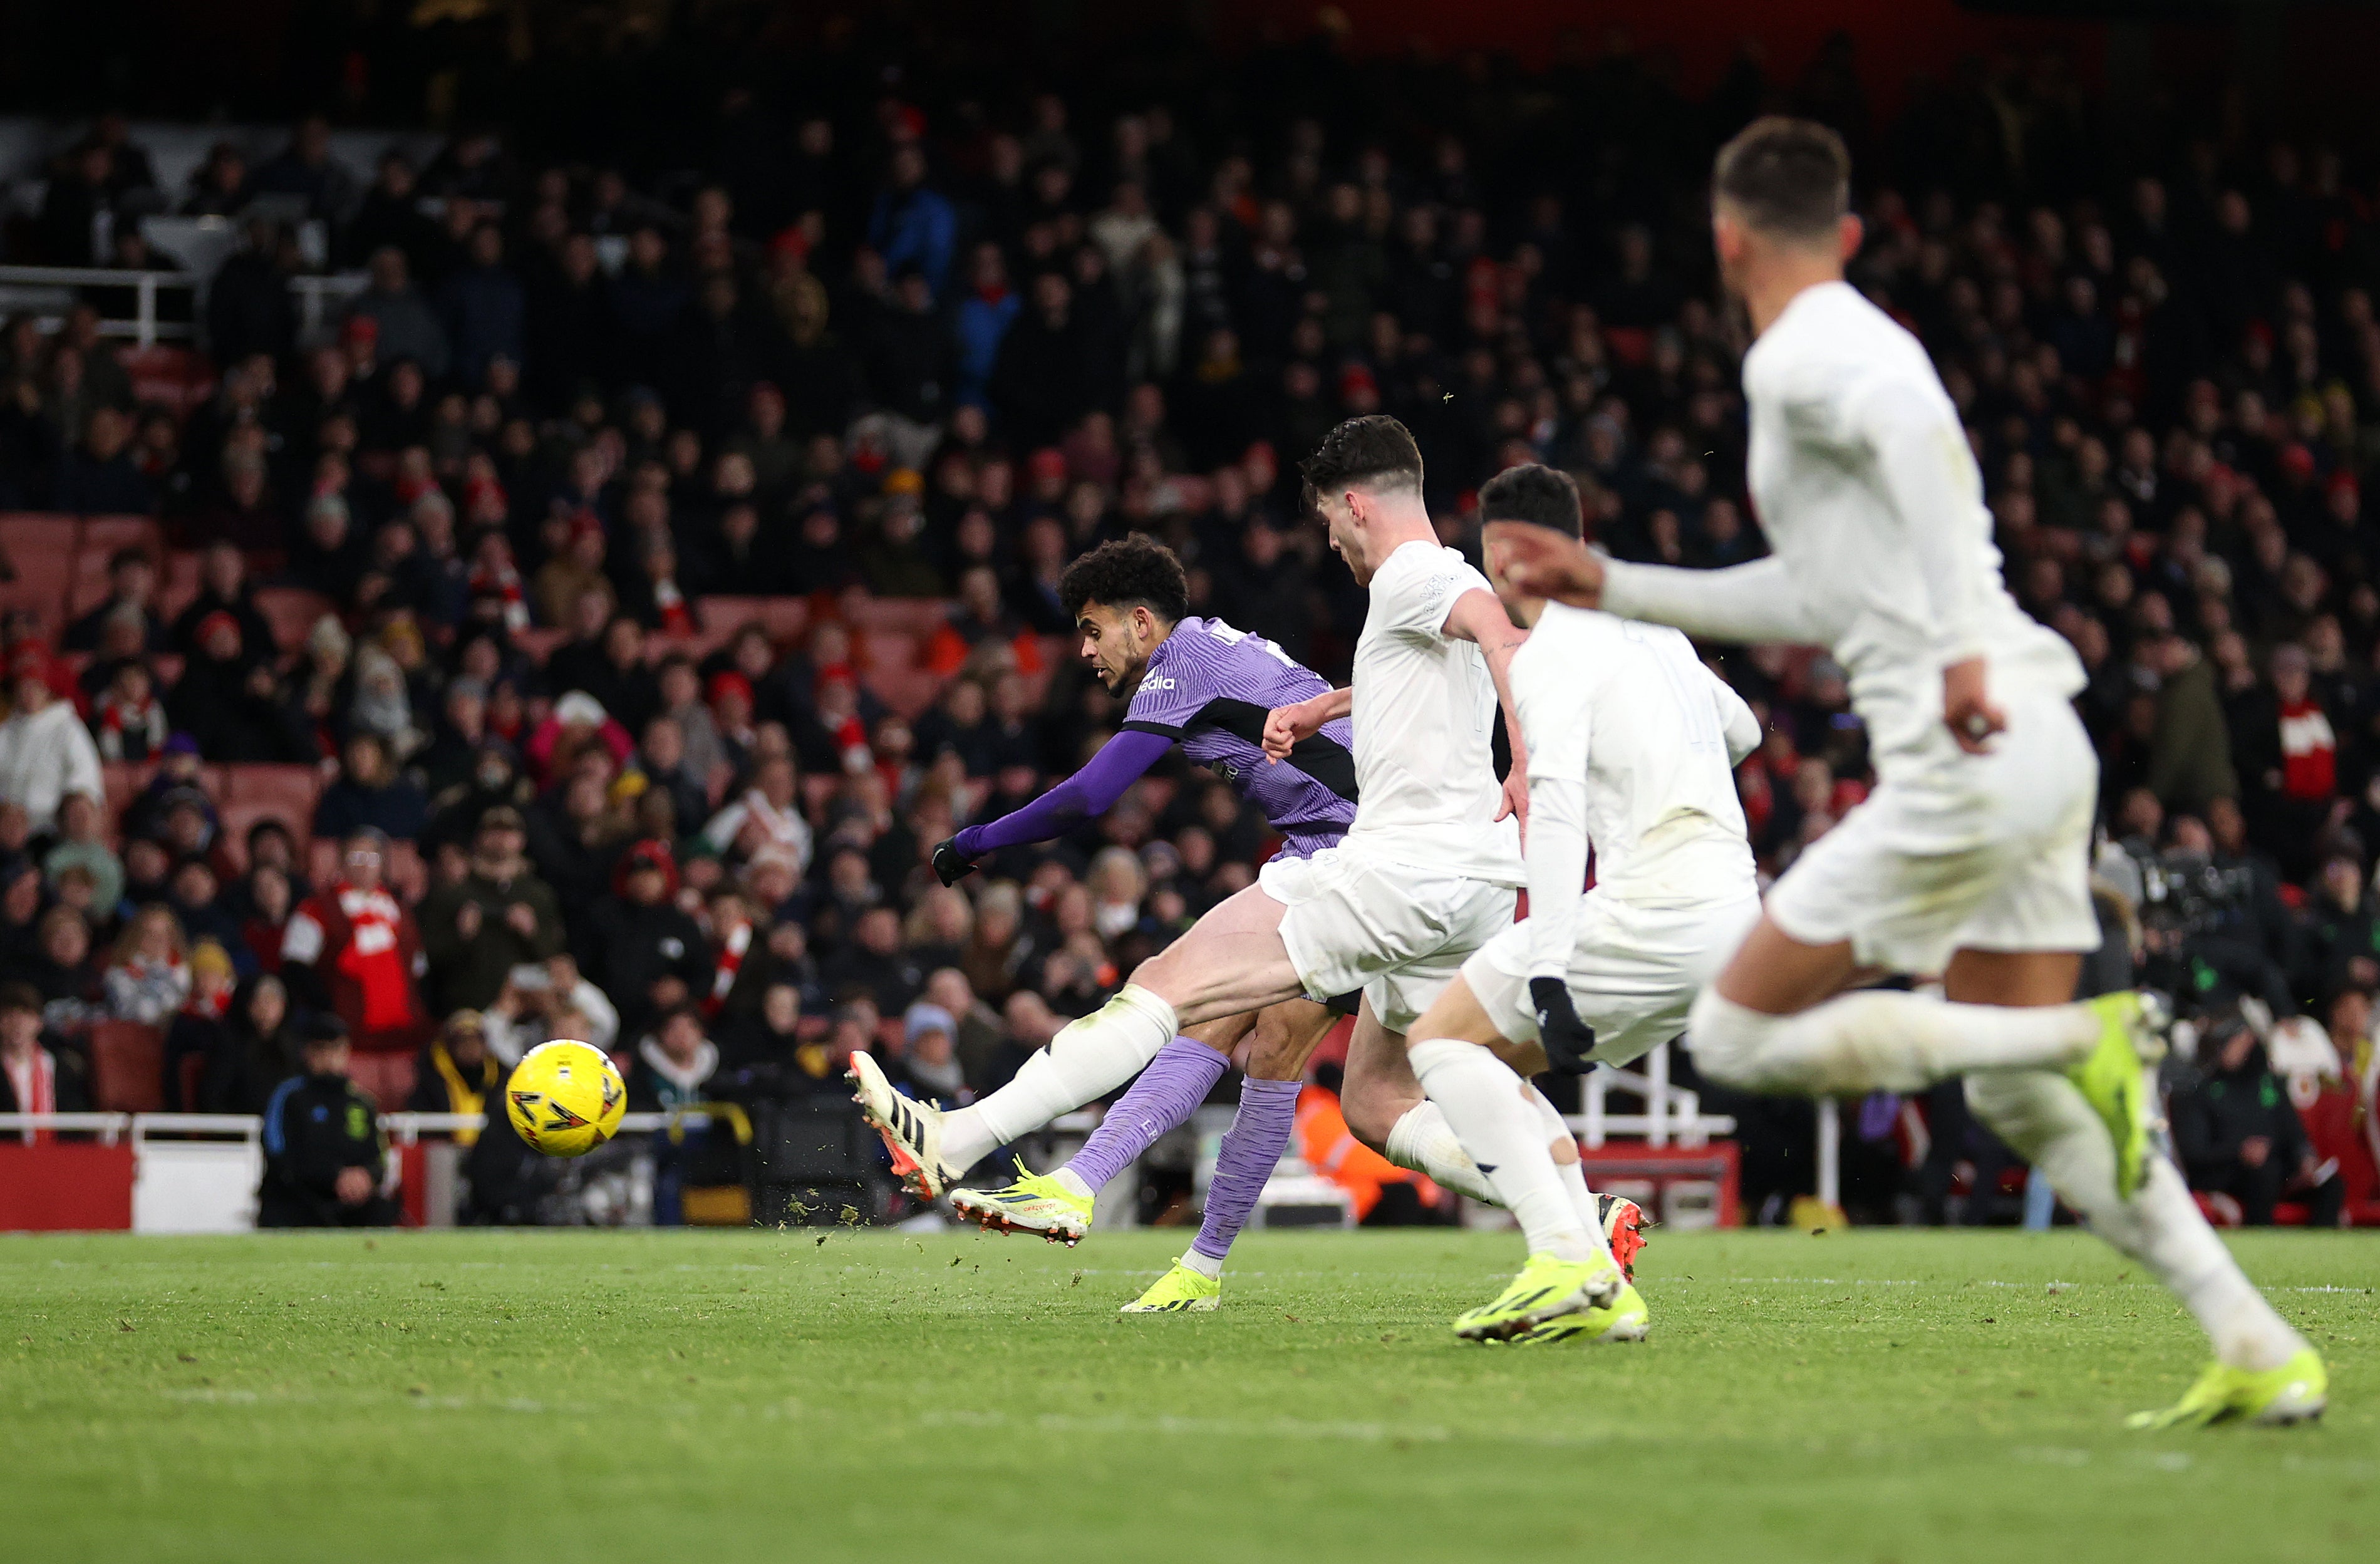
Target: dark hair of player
(1375, 450)
(1125, 572)
(1789, 178)
(1533, 493)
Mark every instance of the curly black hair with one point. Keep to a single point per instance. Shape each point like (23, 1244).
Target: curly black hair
(1532, 493)
(1375, 449)
(1137, 569)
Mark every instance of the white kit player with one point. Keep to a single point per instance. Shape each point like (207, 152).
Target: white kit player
(1632, 747)
(1969, 858)
(1425, 874)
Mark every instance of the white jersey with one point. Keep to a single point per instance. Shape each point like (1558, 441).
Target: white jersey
(1871, 499)
(1626, 712)
(1423, 715)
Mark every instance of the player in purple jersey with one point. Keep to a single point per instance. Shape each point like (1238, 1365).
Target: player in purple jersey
(1423, 875)
(1208, 687)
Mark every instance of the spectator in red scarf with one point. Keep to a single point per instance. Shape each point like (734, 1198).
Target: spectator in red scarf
(768, 814)
(663, 605)
(33, 1079)
(353, 950)
(2288, 757)
(497, 592)
(198, 1031)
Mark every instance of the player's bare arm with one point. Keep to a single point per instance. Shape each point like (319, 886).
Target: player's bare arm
(1288, 725)
(1477, 617)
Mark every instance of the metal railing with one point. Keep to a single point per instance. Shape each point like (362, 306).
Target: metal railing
(1669, 1112)
(54, 286)
(402, 1129)
(54, 290)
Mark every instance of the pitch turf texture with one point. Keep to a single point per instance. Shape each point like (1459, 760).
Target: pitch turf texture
(714, 1396)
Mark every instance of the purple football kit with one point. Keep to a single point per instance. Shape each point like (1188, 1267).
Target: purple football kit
(1208, 687)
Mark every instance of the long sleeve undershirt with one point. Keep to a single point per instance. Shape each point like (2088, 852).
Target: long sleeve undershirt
(1089, 792)
(1755, 602)
(1924, 466)
(1555, 853)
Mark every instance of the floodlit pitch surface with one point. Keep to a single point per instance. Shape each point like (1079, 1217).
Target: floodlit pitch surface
(712, 1397)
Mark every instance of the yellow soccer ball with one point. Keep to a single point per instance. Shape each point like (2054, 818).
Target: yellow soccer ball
(565, 1098)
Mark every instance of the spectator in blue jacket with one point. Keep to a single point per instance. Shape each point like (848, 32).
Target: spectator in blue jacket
(982, 318)
(912, 225)
(485, 308)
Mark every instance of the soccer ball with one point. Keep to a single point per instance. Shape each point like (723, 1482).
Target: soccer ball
(565, 1098)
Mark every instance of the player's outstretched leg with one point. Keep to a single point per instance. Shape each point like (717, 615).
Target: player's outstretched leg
(1057, 1204)
(1232, 960)
(2263, 1371)
(1087, 1058)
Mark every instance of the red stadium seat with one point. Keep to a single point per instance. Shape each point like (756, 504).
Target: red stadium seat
(127, 1068)
(240, 818)
(887, 652)
(386, 1078)
(785, 619)
(292, 611)
(167, 374)
(408, 874)
(899, 616)
(286, 791)
(907, 690)
(537, 645)
(178, 584)
(124, 778)
(40, 549)
(699, 645)
(103, 535)
(194, 1066)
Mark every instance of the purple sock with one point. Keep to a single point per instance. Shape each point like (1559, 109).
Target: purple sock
(1251, 1150)
(1168, 1092)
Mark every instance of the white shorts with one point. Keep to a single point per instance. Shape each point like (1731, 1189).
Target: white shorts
(1634, 970)
(1397, 932)
(1987, 853)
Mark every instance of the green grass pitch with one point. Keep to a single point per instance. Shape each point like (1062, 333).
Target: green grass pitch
(712, 1397)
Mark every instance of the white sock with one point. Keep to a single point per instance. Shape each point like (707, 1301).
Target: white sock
(1087, 1060)
(2046, 1121)
(1881, 1041)
(1423, 1141)
(1572, 1172)
(1489, 1108)
(1075, 1183)
(1208, 1265)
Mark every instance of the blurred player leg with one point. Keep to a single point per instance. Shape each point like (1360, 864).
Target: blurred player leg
(2044, 1118)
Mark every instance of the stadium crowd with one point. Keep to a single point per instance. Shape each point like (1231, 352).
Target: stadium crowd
(901, 357)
